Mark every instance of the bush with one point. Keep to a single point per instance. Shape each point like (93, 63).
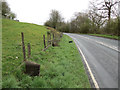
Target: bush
(10, 82)
(112, 27)
(38, 82)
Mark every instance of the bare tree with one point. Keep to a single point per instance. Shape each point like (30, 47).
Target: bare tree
(97, 19)
(106, 8)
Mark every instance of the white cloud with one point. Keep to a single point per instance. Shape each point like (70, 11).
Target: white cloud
(37, 11)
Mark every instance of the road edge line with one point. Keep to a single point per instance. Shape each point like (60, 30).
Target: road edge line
(88, 67)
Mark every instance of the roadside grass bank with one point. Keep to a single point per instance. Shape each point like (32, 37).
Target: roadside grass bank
(106, 36)
(12, 55)
(60, 67)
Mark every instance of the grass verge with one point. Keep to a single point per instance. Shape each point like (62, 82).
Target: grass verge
(61, 67)
(106, 36)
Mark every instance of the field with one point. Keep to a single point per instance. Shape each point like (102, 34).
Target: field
(61, 66)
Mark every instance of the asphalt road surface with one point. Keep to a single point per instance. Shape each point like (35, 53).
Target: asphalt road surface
(102, 57)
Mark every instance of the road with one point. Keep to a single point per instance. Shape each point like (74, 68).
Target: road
(101, 55)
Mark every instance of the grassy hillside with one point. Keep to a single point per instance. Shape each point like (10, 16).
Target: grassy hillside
(11, 42)
(61, 67)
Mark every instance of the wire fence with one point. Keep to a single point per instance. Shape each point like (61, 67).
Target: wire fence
(52, 38)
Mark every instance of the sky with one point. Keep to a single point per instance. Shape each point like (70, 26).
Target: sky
(38, 11)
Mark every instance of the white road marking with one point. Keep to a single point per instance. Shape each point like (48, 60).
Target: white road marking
(109, 46)
(91, 74)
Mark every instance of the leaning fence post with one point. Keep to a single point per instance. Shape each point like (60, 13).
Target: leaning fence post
(23, 45)
(29, 50)
(44, 41)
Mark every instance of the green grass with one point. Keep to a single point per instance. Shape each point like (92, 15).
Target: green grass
(107, 36)
(11, 41)
(61, 67)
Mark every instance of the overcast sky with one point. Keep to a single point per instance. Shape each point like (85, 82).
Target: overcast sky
(37, 11)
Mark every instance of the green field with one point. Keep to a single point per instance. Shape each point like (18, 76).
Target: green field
(61, 66)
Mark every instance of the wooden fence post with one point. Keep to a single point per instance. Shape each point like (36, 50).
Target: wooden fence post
(44, 41)
(29, 50)
(53, 40)
(23, 45)
(50, 38)
(53, 36)
(47, 39)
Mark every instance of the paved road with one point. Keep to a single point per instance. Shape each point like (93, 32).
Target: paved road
(102, 57)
